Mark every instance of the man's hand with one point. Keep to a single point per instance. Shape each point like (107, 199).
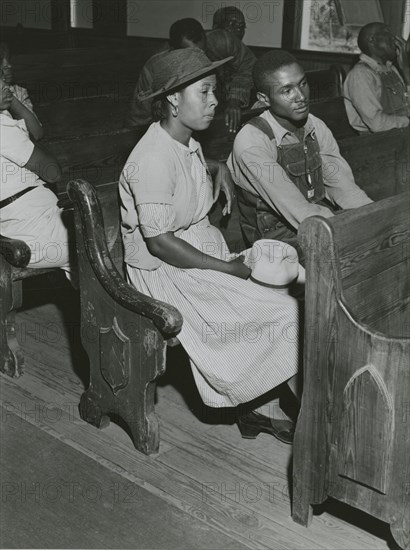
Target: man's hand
(223, 182)
(233, 115)
(403, 56)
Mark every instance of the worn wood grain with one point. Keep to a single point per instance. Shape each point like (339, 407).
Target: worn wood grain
(356, 374)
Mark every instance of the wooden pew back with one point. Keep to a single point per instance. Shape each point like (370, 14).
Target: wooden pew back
(332, 111)
(54, 75)
(99, 158)
(372, 252)
(356, 364)
(325, 83)
(82, 116)
(364, 255)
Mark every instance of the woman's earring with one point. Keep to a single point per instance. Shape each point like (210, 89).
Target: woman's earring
(174, 110)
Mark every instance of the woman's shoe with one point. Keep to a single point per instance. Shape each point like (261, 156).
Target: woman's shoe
(252, 424)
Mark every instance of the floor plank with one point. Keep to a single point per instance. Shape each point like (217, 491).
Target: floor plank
(57, 497)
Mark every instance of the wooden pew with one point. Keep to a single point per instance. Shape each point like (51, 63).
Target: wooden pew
(14, 257)
(124, 332)
(82, 116)
(380, 162)
(352, 439)
(54, 75)
(326, 83)
(99, 157)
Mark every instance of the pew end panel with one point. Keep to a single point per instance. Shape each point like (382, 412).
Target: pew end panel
(14, 258)
(13, 254)
(352, 439)
(124, 332)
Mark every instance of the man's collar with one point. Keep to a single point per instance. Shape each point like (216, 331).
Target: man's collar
(375, 64)
(279, 131)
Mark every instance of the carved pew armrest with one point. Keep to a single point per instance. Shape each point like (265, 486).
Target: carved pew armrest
(15, 251)
(90, 228)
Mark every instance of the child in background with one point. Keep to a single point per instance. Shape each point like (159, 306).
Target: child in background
(20, 106)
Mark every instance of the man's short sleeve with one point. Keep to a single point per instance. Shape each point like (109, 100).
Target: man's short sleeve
(151, 178)
(16, 145)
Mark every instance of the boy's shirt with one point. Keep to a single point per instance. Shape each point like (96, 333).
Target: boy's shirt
(254, 168)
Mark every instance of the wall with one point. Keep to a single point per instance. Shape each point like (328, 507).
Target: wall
(34, 14)
(154, 17)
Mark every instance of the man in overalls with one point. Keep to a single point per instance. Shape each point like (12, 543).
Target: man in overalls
(286, 163)
(377, 96)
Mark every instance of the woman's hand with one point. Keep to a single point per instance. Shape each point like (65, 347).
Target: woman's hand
(238, 268)
(175, 251)
(223, 182)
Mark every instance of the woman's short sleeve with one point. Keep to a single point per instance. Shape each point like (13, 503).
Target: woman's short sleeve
(156, 219)
(16, 145)
(151, 177)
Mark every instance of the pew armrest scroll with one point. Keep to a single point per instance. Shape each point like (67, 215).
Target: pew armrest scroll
(90, 228)
(15, 251)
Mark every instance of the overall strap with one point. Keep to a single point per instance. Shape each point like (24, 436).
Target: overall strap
(262, 125)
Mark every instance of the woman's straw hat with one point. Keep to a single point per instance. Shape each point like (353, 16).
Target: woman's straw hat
(178, 68)
(274, 264)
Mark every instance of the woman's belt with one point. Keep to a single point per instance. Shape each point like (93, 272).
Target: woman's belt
(11, 199)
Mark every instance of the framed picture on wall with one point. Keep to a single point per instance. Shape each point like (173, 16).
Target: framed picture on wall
(333, 25)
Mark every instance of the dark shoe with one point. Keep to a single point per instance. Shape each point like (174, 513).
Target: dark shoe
(252, 424)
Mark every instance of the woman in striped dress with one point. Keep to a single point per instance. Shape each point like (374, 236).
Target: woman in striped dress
(241, 338)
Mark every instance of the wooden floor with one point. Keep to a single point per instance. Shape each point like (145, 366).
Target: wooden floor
(66, 484)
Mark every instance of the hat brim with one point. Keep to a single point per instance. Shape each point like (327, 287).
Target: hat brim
(187, 79)
(270, 285)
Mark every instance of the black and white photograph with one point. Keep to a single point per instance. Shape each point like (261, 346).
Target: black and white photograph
(205, 274)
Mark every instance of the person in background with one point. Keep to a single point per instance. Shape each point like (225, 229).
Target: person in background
(231, 19)
(377, 94)
(225, 40)
(21, 106)
(28, 209)
(241, 337)
(235, 78)
(286, 163)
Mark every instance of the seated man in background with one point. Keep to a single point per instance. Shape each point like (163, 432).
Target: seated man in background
(286, 163)
(377, 95)
(21, 106)
(236, 78)
(231, 19)
(28, 209)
